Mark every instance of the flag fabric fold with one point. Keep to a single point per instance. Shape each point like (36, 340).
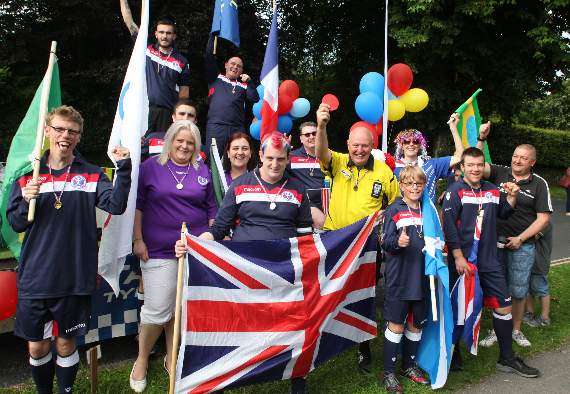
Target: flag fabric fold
(270, 80)
(469, 123)
(19, 160)
(218, 176)
(435, 349)
(131, 120)
(269, 310)
(225, 22)
(467, 298)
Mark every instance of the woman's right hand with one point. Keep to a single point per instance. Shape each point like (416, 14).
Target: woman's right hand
(179, 249)
(140, 250)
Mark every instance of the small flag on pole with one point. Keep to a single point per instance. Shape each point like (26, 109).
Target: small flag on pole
(218, 175)
(270, 81)
(469, 123)
(225, 22)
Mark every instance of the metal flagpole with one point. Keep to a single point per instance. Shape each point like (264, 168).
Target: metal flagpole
(385, 115)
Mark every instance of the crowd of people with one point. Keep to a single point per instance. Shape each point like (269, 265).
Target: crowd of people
(508, 207)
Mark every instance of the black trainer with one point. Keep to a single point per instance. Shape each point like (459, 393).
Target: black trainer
(298, 386)
(364, 362)
(518, 366)
(391, 383)
(456, 360)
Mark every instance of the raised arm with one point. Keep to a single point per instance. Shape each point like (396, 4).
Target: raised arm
(453, 121)
(484, 131)
(322, 141)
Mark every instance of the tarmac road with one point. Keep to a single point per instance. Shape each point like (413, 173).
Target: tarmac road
(14, 367)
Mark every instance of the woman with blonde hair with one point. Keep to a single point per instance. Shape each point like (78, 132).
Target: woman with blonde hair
(173, 187)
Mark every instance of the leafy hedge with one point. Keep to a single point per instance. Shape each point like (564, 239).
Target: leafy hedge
(552, 146)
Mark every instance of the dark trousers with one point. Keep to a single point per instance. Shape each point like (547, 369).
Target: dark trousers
(221, 133)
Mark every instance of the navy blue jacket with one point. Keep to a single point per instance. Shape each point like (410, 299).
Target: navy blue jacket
(307, 169)
(460, 206)
(405, 267)
(59, 251)
(246, 201)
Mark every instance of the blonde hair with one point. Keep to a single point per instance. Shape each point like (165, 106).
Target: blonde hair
(412, 173)
(172, 133)
(66, 112)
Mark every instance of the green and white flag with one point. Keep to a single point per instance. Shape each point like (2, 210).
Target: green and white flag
(19, 161)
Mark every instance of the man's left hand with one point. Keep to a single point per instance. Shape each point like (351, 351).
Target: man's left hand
(120, 153)
(513, 243)
(245, 78)
(511, 188)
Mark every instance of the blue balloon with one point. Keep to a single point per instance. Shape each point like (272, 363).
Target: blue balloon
(284, 123)
(301, 107)
(369, 107)
(372, 82)
(255, 130)
(260, 89)
(257, 109)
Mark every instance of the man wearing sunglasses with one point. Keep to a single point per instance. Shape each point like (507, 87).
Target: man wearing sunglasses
(411, 149)
(305, 166)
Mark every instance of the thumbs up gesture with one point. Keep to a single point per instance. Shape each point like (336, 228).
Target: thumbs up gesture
(404, 239)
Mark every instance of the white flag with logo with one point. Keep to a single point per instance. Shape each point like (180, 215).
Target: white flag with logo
(131, 121)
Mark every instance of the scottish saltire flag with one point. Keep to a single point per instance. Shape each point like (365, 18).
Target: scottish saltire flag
(469, 123)
(467, 298)
(434, 352)
(268, 310)
(225, 22)
(270, 81)
(20, 155)
(218, 176)
(131, 120)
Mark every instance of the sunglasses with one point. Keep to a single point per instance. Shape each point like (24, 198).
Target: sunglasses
(311, 134)
(414, 141)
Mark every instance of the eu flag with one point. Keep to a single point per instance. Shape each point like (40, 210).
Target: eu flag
(225, 22)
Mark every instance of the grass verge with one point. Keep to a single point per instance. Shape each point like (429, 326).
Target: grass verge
(340, 374)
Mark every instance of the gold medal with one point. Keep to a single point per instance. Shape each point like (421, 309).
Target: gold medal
(57, 204)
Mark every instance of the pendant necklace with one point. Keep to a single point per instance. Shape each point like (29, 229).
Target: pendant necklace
(272, 204)
(421, 226)
(160, 66)
(358, 179)
(479, 202)
(312, 169)
(179, 184)
(58, 204)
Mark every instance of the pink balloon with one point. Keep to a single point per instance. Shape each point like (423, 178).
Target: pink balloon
(400, 78)
(8, 294)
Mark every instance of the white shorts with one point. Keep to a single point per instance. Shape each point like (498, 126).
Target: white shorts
(159, 276)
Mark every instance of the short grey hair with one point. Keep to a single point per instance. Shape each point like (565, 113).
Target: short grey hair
(171, 134)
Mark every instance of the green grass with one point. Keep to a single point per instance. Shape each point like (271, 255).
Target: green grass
(340, 375)
(557, 193)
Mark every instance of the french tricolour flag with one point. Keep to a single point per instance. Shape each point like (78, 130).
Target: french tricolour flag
(270, 81)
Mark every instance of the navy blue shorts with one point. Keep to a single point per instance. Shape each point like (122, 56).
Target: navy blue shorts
(495, 291)
(400, 311)
(66, 317)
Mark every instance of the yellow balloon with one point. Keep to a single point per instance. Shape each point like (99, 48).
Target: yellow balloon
(415, 100)
(396, 110)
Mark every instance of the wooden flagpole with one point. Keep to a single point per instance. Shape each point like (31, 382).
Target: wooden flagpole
(37, 152)
(176, 335)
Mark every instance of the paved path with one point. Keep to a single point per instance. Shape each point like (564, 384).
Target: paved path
(555, 377)
(561, 239)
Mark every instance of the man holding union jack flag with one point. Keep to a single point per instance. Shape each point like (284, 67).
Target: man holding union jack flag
(467, 204)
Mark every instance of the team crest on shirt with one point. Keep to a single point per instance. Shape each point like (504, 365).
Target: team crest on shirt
(287, 196)
(447, 196)
(202, 181)
(489, 195)
(78, 182)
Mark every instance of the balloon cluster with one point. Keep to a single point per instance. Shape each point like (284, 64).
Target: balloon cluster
(369, 104)
(289, 108)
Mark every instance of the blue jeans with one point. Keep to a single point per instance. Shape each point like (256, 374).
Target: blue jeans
(518, 265)
(539, 285)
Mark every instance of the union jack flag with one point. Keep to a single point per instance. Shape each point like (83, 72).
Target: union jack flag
(268, 310)
(467, 298)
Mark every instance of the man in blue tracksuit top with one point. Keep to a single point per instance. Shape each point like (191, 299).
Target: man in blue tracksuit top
(465, 203)
(227, 96)
(58, 260)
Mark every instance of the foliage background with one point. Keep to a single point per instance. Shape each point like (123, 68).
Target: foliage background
(514, 50)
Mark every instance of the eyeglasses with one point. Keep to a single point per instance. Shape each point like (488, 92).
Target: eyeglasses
(413, 141)
(311, 134)
(413, 184)
(61, 130)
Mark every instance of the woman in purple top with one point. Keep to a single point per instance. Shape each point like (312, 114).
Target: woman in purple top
(174, 187)
(238, 158)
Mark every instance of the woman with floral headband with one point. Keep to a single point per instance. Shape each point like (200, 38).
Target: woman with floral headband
(411, 149)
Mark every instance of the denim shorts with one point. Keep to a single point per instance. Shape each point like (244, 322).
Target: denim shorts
(518, 264)
(539, 285)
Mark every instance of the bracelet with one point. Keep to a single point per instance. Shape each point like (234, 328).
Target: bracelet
(137, 239)
(482, 140)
